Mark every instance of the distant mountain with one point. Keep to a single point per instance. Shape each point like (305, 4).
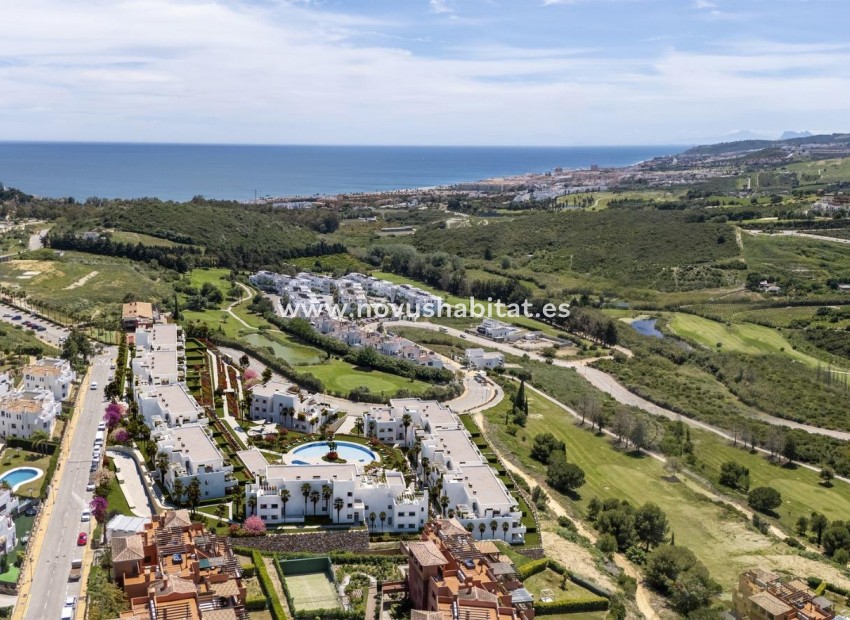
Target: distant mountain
(745, 146)
(790, 135)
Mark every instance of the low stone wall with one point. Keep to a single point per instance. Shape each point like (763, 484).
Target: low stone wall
(322, 541)
(535, 553)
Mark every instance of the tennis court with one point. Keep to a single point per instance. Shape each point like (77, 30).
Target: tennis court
(310, 584)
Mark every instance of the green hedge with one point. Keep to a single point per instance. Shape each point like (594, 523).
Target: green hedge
(532, 568)
(569, 607)
(268, 587)
(249, 570)
(256, 604)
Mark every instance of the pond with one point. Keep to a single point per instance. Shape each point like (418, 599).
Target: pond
(647, 327)
(20, 475)
(312, 453)
(295, 354)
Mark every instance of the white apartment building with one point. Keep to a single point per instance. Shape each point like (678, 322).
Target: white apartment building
(52, 374)
(286, 404)
(473, 488)
(497, 330)
(363, 494)
(481, 359)
(193, 454)
(160, 337)
(24, 412)
(171, 405)
(8, 534)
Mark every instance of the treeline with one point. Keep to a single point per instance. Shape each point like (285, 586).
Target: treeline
(365, 357)
(179, 258)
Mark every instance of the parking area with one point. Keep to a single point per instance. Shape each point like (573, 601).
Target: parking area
(44, 330)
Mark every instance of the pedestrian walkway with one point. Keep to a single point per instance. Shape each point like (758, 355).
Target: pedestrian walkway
(132, 485)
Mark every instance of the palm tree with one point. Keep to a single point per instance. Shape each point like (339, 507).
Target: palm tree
(382, 517)
(426, 466)
(494, 526)
(482, 528)
(220, 509)
(305, 491)
(327, 493)
(314, 499)
(406, 421)
(193, 493)
(469, 527)
(444, 503)
(505, 527)
(372, 517)
(338, 505)
(252, 505)
(358, 425)
(39, 439)
(177, 491)
(372, 427)
(162, 461)
(284, 498)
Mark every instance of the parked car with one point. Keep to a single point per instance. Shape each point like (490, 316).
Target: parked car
(86, 516)
(94, 385)
(71, 601)
(90, 486)
(82, 539)
(17, 317)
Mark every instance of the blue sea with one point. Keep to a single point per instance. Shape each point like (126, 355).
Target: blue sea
(179, 172)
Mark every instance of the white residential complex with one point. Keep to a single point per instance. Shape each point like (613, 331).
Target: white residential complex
(476, 494)
(160, 355)
(498, 331)
(481, 359)
(193, 454)
(52, 374)
(363, 495)
(25, 412)
(286, 404)
(171, 405)
(387, 344)
(8, 534)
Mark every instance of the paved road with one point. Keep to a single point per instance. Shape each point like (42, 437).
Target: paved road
(50, 583)
(35, 240)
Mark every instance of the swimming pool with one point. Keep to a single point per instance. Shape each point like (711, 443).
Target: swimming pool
(21, 475)
(312, 453)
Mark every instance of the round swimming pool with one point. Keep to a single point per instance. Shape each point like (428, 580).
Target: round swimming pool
(21, 475)
(312, 453)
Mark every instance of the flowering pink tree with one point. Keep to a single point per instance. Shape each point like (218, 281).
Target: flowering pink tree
(113, 415)
(250, 377)
(99, 506)
(121, 436)
(254, 525)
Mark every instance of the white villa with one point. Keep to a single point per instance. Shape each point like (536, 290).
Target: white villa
(286, 404)
(481, 359)
(362, 494)
(52, 374)
(193, 454)
(475, 492)
(171, 405)
(498, 331)
(24, 412)
(161, 337)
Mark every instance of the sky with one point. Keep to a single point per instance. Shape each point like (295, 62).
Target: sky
(429, 72)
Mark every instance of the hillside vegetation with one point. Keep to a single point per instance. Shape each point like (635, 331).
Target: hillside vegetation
(655, 249)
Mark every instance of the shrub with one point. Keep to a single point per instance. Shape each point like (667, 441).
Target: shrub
(532, 568)
(571, 606)
(764, 499)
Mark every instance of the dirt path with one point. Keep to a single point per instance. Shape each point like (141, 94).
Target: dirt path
(643, 598)
(81, 281)
(229, 309)
(278, 587)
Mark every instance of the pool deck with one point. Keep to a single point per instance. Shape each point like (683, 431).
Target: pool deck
(38, 474)
(296, 456)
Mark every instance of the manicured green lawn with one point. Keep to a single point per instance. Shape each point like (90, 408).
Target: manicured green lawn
(340, 376)
(801, 490)
(745, 338)
(18, 457)
(216, 277)
(719, 538)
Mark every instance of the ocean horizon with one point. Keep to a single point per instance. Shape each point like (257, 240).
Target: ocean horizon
(235, 172)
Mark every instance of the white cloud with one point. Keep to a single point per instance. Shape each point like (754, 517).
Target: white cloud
(440, 6)
(216, 71)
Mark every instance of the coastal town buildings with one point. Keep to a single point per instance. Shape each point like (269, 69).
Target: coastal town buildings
(136, 314)
(25, 412)
(764, 595)
(52, 374)
(8, 533)
(286, 404)
(160, 355)
(172, 405)
(378, 498)
(192, 454)
(476, 495)
(451, 575)
(482, 360)
(176, 569)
